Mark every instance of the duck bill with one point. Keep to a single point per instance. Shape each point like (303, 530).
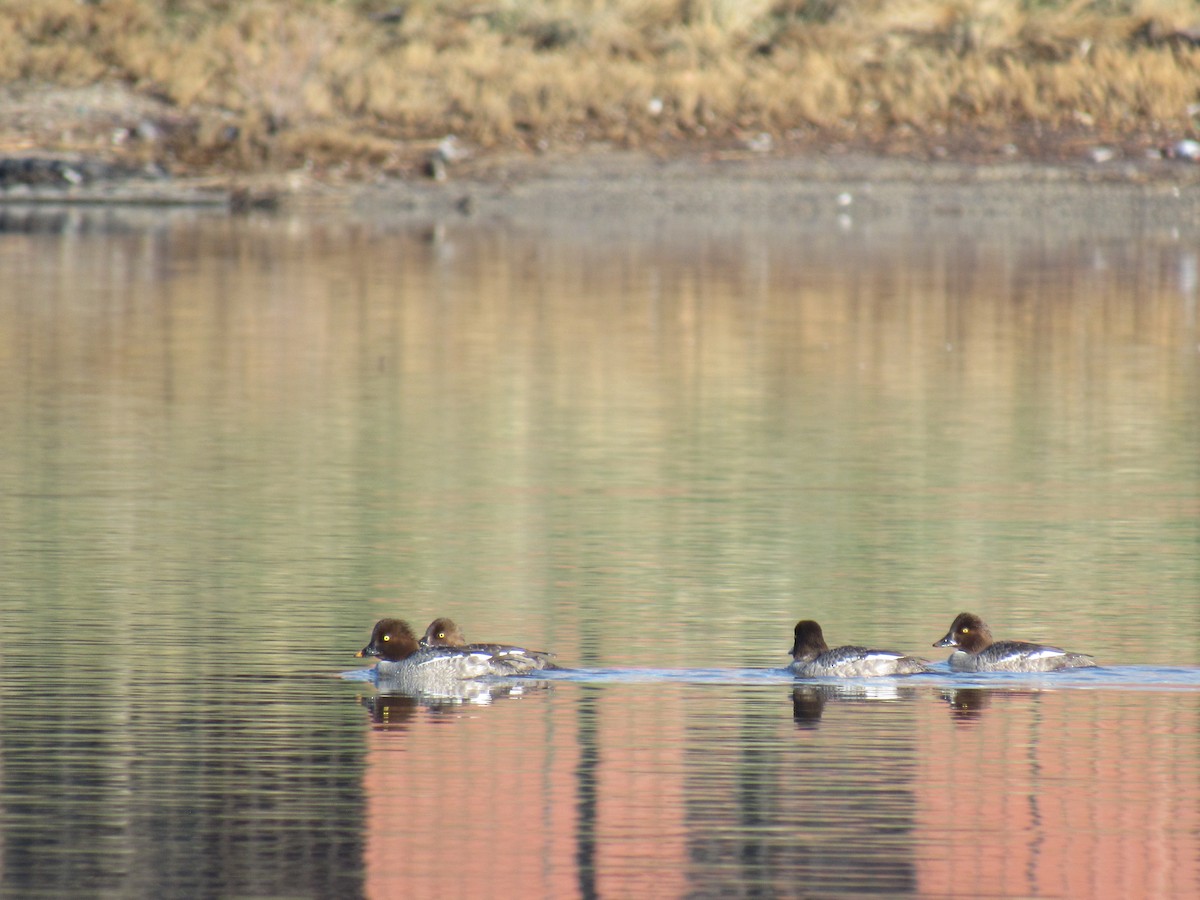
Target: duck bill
(947, 641)
(366, 651)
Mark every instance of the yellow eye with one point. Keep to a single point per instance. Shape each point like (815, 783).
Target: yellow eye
(387, 637)
(965, 630)
(441, 635)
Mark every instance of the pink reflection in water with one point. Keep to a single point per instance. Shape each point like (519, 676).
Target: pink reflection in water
(560, 800)
(1061, 794)
(676, 790)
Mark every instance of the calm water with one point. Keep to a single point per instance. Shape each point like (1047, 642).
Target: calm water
(229, 446)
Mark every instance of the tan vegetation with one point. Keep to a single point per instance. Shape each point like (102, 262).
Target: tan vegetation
(370, 84)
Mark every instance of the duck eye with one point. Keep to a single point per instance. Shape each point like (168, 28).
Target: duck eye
(386, 638)
(965, 630)
(441, 635)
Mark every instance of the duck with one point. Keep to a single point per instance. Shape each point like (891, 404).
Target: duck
(444, 632)
(976, 651)
(811, 657)
(407, 666)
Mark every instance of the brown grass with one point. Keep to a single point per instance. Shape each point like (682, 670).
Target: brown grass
(275, 84)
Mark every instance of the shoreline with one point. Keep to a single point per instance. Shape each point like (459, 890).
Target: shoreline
(600, 194)
(678, 206)
(681, 178)
(102, 145)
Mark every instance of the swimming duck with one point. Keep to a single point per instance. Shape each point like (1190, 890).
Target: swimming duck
(811, 657)
(405, 665)
(978, 652)
(443, 632)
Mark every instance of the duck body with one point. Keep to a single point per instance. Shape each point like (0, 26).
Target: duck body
(813, 658)
(976, 651)
(443, 632)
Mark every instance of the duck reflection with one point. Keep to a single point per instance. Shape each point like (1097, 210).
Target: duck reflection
(393, 710)
(809, 700)
(968, 704)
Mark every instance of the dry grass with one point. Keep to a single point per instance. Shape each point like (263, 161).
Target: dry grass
(275, 84)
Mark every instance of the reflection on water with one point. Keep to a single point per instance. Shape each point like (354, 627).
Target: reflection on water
(1080, 795)
(691, 790)
(166, 788)
(779, 808)
(391, 709)
(232, 445)
(809, 700)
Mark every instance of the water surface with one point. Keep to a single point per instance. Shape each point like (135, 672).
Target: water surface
(231, 444)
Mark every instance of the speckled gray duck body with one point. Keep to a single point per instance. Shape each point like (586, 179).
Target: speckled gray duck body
(404, 665)
(443, 632)
(976, 651)
(812, 658)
